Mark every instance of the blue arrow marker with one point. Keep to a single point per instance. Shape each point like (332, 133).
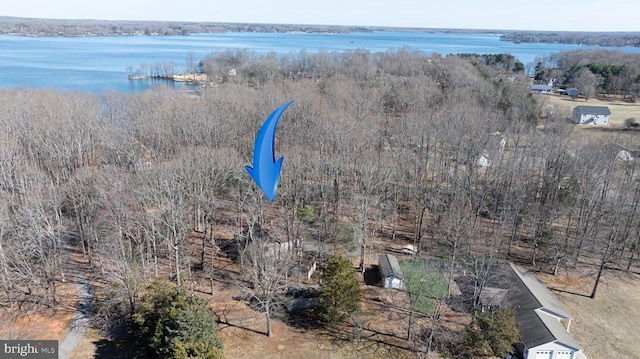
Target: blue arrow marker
(266, 170)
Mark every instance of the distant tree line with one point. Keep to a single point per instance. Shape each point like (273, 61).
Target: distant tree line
(452, 155)
(58, 27)
(614, 39)
(504, 61)
(593, 71)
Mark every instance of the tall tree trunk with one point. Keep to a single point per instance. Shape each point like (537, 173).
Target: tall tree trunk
(410, 326)
(363, 235)
(269, 331)
(418, 239)
(6, 279)
(204, 244)
(595, 286)
(177, 264)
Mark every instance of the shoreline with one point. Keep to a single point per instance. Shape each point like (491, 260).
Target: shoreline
(186, 78)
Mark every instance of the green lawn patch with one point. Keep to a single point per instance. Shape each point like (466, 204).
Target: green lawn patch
(424, 281)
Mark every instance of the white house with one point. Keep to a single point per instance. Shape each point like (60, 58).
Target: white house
(591, 115)
(483, 160)
(493, 149)
(542, 320)
(390, 271)
(540, 317)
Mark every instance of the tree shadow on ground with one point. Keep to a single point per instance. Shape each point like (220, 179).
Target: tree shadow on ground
(365, 342)
(302, 308)
(306, 319)
(609, 129)
(117, 349)
(372, 276)
(224, 322)
(570, 292)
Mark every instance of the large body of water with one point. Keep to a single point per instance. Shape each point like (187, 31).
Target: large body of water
(100, 63)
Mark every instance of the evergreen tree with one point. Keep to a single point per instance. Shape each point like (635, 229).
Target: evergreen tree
(500, 331)
(341, 293)
(476, 344)
(171, 324)
(195, 333)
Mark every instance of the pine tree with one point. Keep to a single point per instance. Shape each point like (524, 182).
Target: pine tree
(171, 324)
(341, 293)
(500, 330)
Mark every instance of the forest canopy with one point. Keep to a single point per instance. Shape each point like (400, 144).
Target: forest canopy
(608, 72)
(453, 155)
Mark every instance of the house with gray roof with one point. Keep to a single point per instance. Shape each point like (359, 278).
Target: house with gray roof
(591, 115)
(390, 271)
(541, 88)
(542, 320)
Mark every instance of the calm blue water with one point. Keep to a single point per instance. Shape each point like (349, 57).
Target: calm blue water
(100, 63)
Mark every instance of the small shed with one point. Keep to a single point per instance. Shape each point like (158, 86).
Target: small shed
(390, 271)
(591, 115)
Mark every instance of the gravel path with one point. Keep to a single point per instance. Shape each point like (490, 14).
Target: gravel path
(86, 302)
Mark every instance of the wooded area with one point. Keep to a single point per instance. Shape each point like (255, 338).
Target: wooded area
(451, 154)
(67, 27)
(64, 27)
(593, 72)
(614, 39)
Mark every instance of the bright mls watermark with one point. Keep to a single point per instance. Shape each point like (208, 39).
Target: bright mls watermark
(32, 349)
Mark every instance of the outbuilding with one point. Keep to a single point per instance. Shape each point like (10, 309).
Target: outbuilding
(390, 271)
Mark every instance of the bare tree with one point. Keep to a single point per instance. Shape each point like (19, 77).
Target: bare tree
(587, 82)
(269, 264)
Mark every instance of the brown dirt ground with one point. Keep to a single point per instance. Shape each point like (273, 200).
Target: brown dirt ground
(603, 326)
(40, 324)
(244, 335)
(21, 322)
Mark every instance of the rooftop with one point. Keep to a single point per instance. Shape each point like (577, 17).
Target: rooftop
(592, 110)
(541, 293)
(538, 311)
(538, 87)
(492, 296)
(389, 266)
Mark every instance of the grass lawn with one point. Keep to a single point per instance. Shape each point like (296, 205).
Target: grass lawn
(620, 110)
(424, 280)
(615, 132)
(605, 326)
